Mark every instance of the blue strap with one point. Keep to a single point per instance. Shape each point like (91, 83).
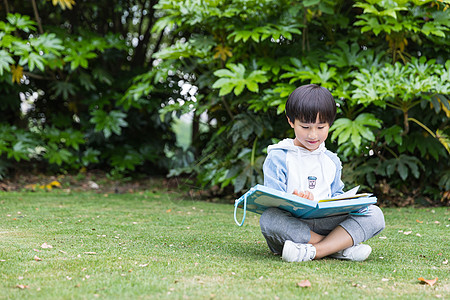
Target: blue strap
(236, 203)
(360, 212)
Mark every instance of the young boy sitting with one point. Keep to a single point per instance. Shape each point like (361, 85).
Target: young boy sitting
(304, 167)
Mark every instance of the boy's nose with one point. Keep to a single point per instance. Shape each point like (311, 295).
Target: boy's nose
(312, 133)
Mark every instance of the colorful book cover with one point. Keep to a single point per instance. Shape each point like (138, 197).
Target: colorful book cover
(260, 197)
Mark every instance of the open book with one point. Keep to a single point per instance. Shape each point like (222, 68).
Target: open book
(260, 197)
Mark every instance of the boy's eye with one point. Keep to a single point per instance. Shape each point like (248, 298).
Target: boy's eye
(321, 127)
(305, 127)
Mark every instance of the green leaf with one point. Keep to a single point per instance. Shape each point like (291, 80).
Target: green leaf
(126, 158)
(240, 181)
(103, 76)
(109, 123)
(48, 43)
(402, 170)
(90, 156)
(403, 164)
(234, 78)
(57, 156)
(5, 61)
(224, 73)
(356, 130)
(64, 89)
(393, 133)
(239, 88)
(19, 151)
(21, 22)
(86, 81)
(308, 3)
(79, 58)
(36, 60)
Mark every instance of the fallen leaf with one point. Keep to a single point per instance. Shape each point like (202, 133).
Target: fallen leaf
(444, 262)
(418, 221)
(55, 183)
(430, 282)
(143, 265)
(304, 283)
(46, 246)
(22, 286)
(407, 232)
(36, 258)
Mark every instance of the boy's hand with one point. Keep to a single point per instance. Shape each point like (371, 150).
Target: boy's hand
(305, 194)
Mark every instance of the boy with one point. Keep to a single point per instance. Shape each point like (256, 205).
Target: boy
(304, 167)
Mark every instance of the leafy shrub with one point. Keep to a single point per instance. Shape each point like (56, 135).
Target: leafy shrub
(376, 58)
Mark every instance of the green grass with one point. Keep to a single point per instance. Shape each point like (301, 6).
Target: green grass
(163, 245)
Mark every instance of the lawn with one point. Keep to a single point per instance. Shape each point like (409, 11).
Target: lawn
(163, 245)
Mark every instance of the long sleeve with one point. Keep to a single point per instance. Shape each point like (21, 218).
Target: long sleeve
(337, 186)
(275, 170)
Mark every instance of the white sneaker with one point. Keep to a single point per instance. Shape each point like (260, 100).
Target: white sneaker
(358, 252)
(293, 252)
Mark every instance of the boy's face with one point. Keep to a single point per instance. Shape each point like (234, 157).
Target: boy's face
(310, 135)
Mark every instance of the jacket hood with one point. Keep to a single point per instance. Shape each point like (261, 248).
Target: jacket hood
(288, 144)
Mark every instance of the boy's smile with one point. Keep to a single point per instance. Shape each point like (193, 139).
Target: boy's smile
(310, 135)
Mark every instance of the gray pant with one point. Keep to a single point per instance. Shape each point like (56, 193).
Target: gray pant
(278, 226)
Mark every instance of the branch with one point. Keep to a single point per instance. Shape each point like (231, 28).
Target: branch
(36, 15)
(5, 2)
(32, 75)
(227, 107)
(423, 126)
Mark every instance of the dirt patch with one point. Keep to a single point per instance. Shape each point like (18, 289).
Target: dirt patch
(100, 182)
(95, 181)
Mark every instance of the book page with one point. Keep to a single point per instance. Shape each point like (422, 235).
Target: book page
(347, 194)
(350, 194)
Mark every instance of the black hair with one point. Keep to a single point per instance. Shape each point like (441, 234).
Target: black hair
(306, 101)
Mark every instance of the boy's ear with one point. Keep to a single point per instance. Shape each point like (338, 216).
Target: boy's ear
(289, 121)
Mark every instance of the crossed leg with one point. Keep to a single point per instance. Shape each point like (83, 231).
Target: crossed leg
(338, 239)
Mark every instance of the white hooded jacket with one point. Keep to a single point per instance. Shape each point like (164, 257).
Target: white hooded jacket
(289, 167)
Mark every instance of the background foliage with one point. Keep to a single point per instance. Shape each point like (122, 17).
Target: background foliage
(100, 85)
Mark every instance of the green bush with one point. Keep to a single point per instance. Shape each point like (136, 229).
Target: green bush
(72, 78)
(385, 63)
